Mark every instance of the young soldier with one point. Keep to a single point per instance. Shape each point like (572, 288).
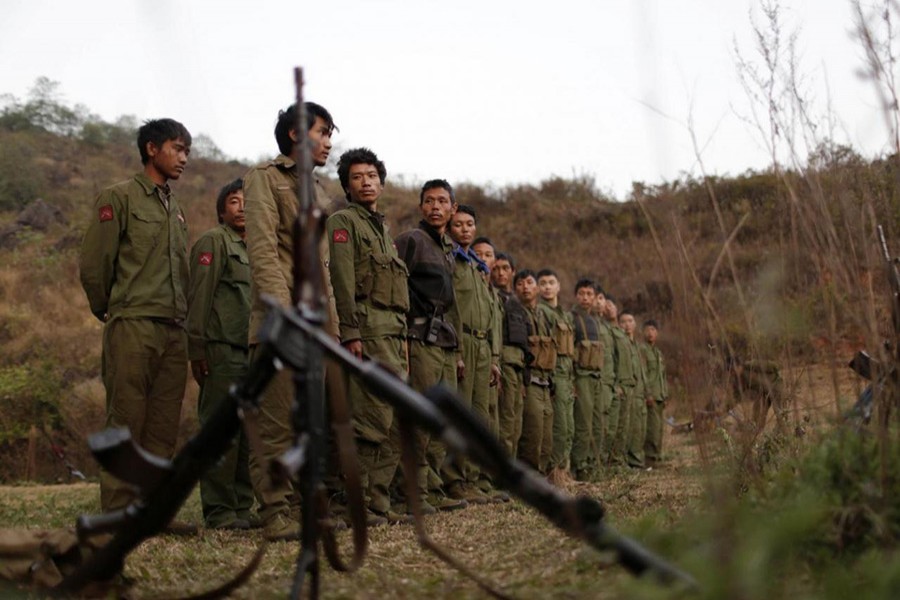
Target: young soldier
(657, 391)
(607, 408)
(484, 250)
(480, 348)
(537, 417)
(514, 354)
(433, 317)
(372, 299)
(217, 323)
(270, 193)
(632, 382)
(563, 375)
(618, 422)
(134, 270)
(589, 358)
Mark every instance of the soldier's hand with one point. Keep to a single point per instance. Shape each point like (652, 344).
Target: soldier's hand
(355, 347)
(460, 370)
(200, 369)
(495, 375)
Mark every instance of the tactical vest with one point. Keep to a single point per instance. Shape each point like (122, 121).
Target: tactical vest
(543, 347)
(588, 353)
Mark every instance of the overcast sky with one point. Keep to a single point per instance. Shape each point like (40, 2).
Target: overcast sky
(484, 91)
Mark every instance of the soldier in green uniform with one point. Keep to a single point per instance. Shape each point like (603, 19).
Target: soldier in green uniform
(657, 391)
(217, 324)
(589, 358)
(270, 194)
(632, 381)
(134, 270)
(484, 250)
(563, 395)
(536, 442)
(619, 414)
(372, 299)
(480, 348)
(607, 408)
(514, 354)
(433, 318)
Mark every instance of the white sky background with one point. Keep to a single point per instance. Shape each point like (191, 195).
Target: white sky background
(485, 91)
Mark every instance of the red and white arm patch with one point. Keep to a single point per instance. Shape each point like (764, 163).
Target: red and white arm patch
(340, 236)
(106, 213)
(205, 259)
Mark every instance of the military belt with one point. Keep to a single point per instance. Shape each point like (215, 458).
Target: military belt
(168, 321)
(479, 334)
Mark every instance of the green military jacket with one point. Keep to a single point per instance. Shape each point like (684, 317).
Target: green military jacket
(563, 327)
(219, 296)
(655, 371)
(496, 323)
(631, 369)
(371, 293)
(134, 255)
(610, 352)
(625, 374)
(539, 327)
(474, 301)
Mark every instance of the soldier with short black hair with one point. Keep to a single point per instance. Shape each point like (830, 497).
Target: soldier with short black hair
(656, 392)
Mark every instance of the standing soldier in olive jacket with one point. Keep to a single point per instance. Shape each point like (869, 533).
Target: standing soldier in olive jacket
(563, 375)
(632, 381)
(537, 417)
(485, 251)
(433, 319)
(619, 415)
(589, 358)
(270, 194)
(217, 324)
(134, 270)
(372, 300)
(656, 392)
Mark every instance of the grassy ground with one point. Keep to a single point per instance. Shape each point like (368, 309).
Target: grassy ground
(509, 544)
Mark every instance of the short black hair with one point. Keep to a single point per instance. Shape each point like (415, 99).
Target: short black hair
(583, 283)
(227, 190)
(547, 273)
(160, 131)
(467, 210)
(507, 257)
(433, 184)
(598, 289)
(611, 299)
(523, 274)
(651, 323)
(483, 240)
(287, 120)
(358, 156)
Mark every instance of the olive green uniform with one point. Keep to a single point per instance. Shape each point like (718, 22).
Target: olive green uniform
(619, 414)
(563, 395)
(513, 356)
(270, 206)
(657, 390)
(589, 359)
(134, 270)
(606, 410)
(372, 299)
(480, 349)
(536, 443)
(635, 394)
(217, 325)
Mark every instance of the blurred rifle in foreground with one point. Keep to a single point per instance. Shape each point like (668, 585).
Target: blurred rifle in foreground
(294, 338)
(883, 377)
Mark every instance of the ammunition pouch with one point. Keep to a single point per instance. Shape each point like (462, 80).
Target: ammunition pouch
(565, 339)
(543, 347)
(589, 355)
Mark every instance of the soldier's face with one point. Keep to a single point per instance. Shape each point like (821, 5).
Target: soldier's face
(462, 229)
(585, 297)
(437, 208)
(501, 274)
(599, 303)
(626, 322)
(320, 135)
(233, 213)
(610, 310)
(650, 334)
(549, 287)
(169, 159)
(486, 253)
(364, 185)
(527, 290)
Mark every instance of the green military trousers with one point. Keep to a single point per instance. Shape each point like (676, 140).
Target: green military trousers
(474, 390)
(588, 401)
(602, 414)
(428, 366)
(144, 369)
(620, 429)
(536, 443)
(226, 493)
(275, 436)
(563, 413)
(654, 443)
(637, 430)
(377, 434)
(510, 407)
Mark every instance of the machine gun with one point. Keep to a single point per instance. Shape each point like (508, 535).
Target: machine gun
(294, 338)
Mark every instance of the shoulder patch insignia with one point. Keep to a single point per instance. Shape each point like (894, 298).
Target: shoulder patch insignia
(340, 236)
(106, 213)
(205, 259)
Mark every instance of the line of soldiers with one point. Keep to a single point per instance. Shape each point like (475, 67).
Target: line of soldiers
(562, 390)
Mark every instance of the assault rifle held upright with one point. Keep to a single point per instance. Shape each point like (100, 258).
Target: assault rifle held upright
(294, 338)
